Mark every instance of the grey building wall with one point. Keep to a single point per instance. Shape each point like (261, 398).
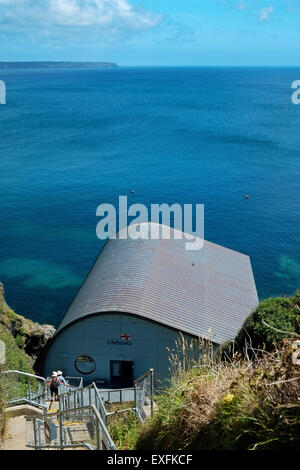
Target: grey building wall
(91, 335)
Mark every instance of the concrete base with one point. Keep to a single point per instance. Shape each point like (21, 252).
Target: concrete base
(22, 410)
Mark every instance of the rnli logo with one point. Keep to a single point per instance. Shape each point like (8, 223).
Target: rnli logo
(125, 336)
(125, 340)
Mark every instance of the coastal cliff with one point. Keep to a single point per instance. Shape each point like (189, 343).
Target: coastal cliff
(29, 336)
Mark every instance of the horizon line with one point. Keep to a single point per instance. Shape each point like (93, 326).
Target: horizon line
(143, 65)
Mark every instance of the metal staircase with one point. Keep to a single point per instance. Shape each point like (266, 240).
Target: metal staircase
(80, 417)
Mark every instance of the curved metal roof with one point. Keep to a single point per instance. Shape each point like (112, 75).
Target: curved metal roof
(207, 293)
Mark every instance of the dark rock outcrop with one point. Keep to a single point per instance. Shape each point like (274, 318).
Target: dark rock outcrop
(30, 336)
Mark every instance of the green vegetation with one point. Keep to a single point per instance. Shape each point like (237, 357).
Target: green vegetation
(124, 429)
(10, 386)
(123, 425)
(13, 329)
(3, 398)
(244, 397)
(273, 320)
(234, 405)
(16, 358)
(30, 336)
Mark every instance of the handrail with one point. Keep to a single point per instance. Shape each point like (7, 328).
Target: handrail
(37, 397)
(142, 377)
(125, 410)
(78, 378)
(30, 394)
(62, 446)
(81, 390)
(29, 402)
(97, 394)
(101, 425)
(137, 382)
(23, 373)
(116, 389)
(104, 428)
(63, 400)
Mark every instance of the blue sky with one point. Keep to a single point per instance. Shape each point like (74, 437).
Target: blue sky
(152, 32)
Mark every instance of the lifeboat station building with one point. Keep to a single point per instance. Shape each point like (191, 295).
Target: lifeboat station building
(136, 300)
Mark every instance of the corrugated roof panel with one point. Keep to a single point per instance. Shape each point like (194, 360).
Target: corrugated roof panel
(160, 280)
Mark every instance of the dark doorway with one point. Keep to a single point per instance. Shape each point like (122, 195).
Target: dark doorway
(121, 373)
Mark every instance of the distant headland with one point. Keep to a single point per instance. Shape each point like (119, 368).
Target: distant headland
(57, 65)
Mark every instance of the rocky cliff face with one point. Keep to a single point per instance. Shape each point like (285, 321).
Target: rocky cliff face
(30, 336)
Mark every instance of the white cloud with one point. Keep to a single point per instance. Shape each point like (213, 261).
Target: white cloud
(264, 13)
(254, 8)
(114, 15)
(241, 5)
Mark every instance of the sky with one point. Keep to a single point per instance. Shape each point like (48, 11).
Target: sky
(152, 32)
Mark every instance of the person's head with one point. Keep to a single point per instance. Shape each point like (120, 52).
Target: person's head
(59, 372)
(54, 375)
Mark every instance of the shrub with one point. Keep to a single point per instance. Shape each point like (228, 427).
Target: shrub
(273, 320)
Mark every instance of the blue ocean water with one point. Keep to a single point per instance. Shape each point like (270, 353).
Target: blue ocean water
(73, 139)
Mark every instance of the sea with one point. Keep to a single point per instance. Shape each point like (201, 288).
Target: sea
(73, 139)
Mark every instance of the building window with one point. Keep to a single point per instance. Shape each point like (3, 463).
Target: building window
(85, 364)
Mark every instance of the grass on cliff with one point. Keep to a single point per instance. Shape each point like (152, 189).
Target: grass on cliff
(234, 404)
(27, 334)
(11, 386)
(3, 398)
(16, 358)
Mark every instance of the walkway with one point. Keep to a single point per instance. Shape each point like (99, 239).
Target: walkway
(15, 434)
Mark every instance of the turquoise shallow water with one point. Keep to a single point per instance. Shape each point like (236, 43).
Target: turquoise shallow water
(72, 139)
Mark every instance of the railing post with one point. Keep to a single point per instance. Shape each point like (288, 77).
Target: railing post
(61, 431)
(35, 433)
(99, 436)
(39, 423)
(44, 393)
(29, 388)
(82, 412)
(151, 389)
